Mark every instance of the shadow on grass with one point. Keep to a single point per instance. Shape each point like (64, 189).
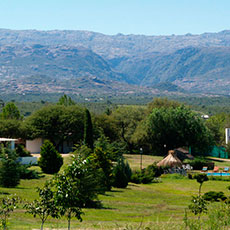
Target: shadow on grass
(97, 205)
(215, 160)
(4, 193)
(134, 185)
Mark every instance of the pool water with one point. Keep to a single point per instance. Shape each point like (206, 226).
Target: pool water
(218, 174)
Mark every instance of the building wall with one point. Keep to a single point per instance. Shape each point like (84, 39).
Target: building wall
(34, 146)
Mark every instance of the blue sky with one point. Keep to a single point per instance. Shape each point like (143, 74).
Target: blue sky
(150, 17)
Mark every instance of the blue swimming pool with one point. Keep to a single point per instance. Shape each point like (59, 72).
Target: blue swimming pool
(218, 174)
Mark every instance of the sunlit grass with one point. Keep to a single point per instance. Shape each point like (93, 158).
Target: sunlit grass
(152, 204)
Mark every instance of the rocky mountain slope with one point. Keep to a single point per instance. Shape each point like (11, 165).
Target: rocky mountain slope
(87, 60)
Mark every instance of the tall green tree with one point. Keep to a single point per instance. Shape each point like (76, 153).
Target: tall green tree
(107, 125)
(57, 123)
(159, 102)
(88, 130)
(11, 128)
(10, 111)
(217, 125)
(127, 119)
(169, 128)
(66, 100)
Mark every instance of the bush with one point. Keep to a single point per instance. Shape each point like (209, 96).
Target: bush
(199, 162)
(121, 175)
(9, 168)
(26, 173)
(22, 152)
(190, 176)
(50, 160)
(219, 178)
(154, 170)
(214, 196)
(147, 175)
(101, 160)
(136, 177)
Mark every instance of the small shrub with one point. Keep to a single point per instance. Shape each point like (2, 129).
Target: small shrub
(153, 170)
(26, 173)
(121, 174)
(120, 179)
(190, 176)
(214, 196)
(50, 160)
(147, 175)
(22, 152)
(219, 178)
(199, 162)
(136, 177)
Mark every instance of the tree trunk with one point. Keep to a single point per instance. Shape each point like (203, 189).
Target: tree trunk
(69, 219)
(200, 189)
(42, 225)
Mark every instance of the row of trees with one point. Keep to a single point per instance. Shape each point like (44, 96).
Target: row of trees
(160, 126)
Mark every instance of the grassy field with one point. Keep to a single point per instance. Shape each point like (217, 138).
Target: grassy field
(147, 204)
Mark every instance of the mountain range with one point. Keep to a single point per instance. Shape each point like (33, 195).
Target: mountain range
(84, 61)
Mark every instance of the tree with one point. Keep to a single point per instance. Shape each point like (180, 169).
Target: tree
(10, 111)
(77, 186)
(50, 160)
(45, 206)
(11, 128)
(65, 100)
(200, 178)
(101, 160)
(2, 104)
(88, 130)
(67, 197)
(162, 103)
(7, 205)
(121, 174)
(199, 204)
(169, 128)
(57, 123)
(127, 119)
(217, 125)
(9, 168)
(107, 125)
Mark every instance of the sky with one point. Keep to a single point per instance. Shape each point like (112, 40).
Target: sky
(148, 17)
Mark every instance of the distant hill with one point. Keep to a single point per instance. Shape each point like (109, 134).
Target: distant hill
(78, 61)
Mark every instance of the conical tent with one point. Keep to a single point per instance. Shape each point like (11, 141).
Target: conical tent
(171, 160)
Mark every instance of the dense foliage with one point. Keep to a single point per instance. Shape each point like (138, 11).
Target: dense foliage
(121, 174)
(9, 168)
(88, 130)
(50, 160)
(10, 111)
(170, 128)
(57, 123)
(147, 175)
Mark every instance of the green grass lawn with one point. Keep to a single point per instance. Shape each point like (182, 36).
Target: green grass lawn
(150, 204)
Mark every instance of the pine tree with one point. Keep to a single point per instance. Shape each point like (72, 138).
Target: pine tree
(88, 130)
(50, 160)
